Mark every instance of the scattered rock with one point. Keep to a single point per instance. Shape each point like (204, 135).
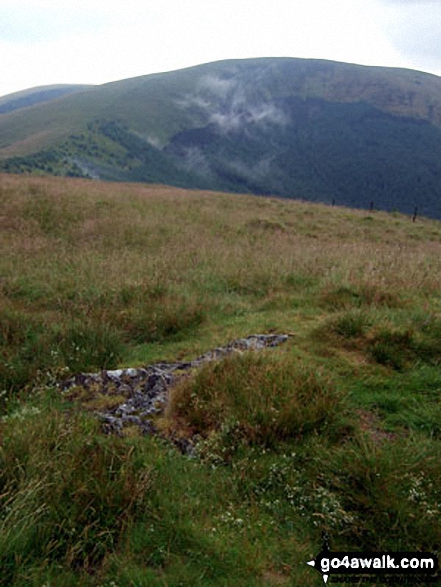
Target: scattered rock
(146, 389)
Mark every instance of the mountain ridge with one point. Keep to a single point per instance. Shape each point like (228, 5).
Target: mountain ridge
(37, 95)
(311, 129)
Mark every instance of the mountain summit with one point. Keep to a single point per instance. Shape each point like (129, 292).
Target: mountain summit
(311, 129)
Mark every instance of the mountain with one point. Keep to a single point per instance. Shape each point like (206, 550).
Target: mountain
(38, 95)
(310, 129)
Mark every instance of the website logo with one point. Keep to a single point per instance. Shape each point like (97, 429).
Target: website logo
(361, 564)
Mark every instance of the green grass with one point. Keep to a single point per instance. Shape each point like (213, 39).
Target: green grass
(337, 430)
(258, 401)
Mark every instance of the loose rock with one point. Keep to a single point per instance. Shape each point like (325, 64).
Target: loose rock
(146, 389)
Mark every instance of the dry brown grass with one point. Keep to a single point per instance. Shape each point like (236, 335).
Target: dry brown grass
(113, 234)
(152, 261)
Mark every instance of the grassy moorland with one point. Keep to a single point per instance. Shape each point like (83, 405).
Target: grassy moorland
(338, 430)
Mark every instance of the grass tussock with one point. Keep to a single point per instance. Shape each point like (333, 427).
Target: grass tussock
(399, 344)
(257, 400)
(349, 325)
(160, 319)
(358, 296)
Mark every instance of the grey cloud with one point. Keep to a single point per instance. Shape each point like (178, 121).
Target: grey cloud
(228, 104)
(258, 171)
(210, 93)
(217, 86)
(227, 121)
(233, 108)
(414, 28)
(195, 160)
(240, 114)
(421, 35)
(193, 100)
(154, 141)
(268, 113)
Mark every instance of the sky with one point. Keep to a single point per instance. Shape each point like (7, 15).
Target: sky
(45, 42)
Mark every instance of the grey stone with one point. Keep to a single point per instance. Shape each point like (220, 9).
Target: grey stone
(147, 389)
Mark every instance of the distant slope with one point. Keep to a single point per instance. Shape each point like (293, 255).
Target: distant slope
(310, 129)
(26, 98)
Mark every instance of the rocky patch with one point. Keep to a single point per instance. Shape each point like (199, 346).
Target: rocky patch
(125, 398)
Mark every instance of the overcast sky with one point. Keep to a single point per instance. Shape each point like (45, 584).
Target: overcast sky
(95, 41)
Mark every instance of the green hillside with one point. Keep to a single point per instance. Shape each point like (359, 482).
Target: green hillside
(34, 96)
(256, 454)
(317, 130)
